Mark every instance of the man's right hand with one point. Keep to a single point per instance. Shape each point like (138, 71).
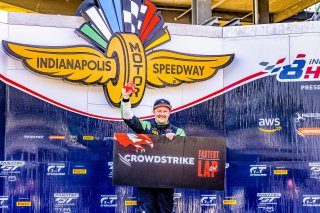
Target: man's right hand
(126, 93)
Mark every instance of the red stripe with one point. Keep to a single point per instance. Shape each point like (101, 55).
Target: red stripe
(53, 101)
(144, 117)
(154, 21)
(149, 14)
(301, 55)
(219, 91)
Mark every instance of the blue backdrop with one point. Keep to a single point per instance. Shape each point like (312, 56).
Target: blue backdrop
(47, 160)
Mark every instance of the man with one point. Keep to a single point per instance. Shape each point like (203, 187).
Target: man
(152, 199)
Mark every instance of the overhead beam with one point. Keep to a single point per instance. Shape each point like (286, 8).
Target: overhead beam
(292, 10)
(201, 11)
(261, 12)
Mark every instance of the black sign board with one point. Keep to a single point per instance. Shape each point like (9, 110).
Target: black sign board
(155, 161)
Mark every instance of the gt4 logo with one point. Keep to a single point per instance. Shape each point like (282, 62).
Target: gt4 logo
(268, 198)
(258, 170)
(62, 199)
(208, 200)
(10, 166)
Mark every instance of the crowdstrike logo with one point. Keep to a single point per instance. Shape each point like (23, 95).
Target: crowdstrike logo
(308, 131)
(128, 159)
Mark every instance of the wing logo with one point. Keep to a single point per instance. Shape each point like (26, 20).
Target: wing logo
(122, 35)
(136, 140)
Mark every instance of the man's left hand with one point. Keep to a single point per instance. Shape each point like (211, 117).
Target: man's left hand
(170, 135)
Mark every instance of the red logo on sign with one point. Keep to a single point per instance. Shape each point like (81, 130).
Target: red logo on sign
(137, 140)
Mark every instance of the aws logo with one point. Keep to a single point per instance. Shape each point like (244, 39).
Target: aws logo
(123, 34)
(269, 125)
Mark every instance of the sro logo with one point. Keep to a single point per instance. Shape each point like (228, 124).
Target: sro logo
(311, 200)
(108, 200)
(55, 168)
(208, 200)
(258, 170)
(4, 201)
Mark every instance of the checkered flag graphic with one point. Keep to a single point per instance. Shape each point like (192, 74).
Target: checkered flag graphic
(133, 15)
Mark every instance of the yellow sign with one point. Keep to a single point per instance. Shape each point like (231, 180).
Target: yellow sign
(280, 172)
(88, 138)
(229, 202)
(23, 203)
(125, 60)
(130, 202)
(79, 171)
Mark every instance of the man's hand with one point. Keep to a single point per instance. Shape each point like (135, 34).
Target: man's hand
(127, 90)
(126, 95)
(170, 135)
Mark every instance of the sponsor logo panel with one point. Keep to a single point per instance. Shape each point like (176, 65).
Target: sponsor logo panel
(23, 203)
(269, 125)
(268, 201)
(280, 171)
(311, 200)
(301, 69)
(229, 202)
(314, 170)
(62, 200)
(259, 170)
(57, 137)
(208, 200)
(4, 201)
(88, 138)
(58, 169)
(7, 168)
(110, 168)
(108, 200)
